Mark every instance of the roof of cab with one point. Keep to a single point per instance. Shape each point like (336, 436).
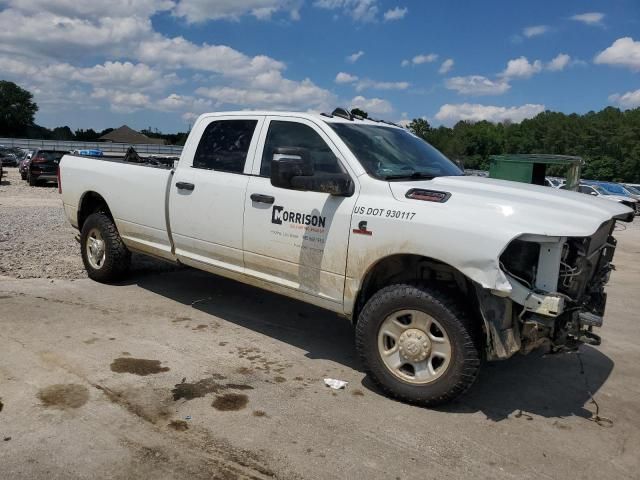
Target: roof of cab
(324, 117)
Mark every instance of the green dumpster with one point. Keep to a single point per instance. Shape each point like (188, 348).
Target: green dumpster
(532, 168)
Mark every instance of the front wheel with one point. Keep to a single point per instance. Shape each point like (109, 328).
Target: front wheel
(105, 256)
(417, 344)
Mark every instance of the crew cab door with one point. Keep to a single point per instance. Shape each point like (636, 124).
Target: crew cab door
(297, 239)
(207, 193)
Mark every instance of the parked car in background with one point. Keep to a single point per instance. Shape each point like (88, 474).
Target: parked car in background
(620, 190)
(23, 164)
(43, 166)
(634, 189)
(598, 191)
(9, 158)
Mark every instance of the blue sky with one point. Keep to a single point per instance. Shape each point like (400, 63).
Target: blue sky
(160, 63)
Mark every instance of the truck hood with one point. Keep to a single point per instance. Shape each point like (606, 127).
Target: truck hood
(517, 208)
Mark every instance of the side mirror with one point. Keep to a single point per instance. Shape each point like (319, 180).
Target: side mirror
(594, 194)
(289, 162)
(292, 168)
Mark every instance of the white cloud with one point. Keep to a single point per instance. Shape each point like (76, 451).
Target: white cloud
(477, 85)
(624, 52)
(196, 11)
(367, 83)
(49, 35)
(559, 63)
(354, 57)
(371, 105)
(626, 100)
(446, 66)
(420, 59)
(270, 90)
(535, 31)
(122, 102)
(359, 10)
(93, 9)
(396, 13)
(521, 68)
(177, 52)
(452, 113)
(590, 18)
(343, 77)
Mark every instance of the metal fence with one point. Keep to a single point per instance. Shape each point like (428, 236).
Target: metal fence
(32, 144)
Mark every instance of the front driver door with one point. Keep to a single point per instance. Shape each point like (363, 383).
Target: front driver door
(298, 239)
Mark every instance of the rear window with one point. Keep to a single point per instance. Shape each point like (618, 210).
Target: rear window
(51, 155)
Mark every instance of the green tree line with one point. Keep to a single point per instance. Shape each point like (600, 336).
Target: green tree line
(608, 141)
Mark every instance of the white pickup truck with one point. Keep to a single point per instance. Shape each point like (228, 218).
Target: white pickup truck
(437, 271)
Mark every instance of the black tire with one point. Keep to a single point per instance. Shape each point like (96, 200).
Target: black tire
(32, 181)
(23, 175)
(117, 258)
(466, 357)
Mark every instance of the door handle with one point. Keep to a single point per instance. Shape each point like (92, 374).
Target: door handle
(257, 197)
(185, 186)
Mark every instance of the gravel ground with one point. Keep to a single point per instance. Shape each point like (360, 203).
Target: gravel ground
(36, 241)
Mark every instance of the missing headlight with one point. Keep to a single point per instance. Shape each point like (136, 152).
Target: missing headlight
(520, 260)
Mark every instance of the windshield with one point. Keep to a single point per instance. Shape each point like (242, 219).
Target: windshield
(392, 153)
(600, 190)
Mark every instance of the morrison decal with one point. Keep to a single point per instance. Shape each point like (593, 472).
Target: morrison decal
(280, 215)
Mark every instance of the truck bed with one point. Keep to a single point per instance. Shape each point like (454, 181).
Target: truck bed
(137, 197)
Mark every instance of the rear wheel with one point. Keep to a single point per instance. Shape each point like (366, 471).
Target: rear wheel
(417, 344)
(105, 256)
(32, 180)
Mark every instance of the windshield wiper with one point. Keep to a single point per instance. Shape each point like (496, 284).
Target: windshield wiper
(411, 176)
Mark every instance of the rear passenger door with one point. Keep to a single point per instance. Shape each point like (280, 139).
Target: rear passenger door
(206, 205)
(298, 239)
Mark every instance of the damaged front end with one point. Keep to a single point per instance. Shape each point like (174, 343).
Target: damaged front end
(557, 294)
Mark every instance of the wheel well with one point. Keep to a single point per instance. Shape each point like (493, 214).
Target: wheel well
(405, 268)
(91, 202)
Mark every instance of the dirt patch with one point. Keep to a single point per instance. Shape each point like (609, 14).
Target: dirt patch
(199, 389)
(64, 396)
(200, 327)
(181, 319)
(137, 366)
(259, 413)
(279, 379)
(179, 425)
(189, 391)
(357, 393)
(91, 341)
(230, 402)
(238, 386)
(150, 404)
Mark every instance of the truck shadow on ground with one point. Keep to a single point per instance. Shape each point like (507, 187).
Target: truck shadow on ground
(546, 385)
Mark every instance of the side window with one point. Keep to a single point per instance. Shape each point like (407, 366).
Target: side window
(224, 145)
(585, 189)
(294, 134)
